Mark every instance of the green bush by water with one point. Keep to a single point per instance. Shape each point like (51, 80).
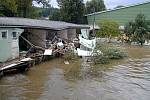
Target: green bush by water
(108, 52)
(69, 55)
(101, 59)
(115, 53)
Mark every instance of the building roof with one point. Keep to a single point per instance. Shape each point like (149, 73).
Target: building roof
(34, 23)
(118, 8)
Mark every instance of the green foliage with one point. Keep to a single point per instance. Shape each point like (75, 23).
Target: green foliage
(130, 28)
(55, 16)
(101, 59)
(34, 13)
(24, 8)
(1, 14)
(108, 28)
(140, 21)
(115, 53)
(20, 8)
(137, 30)
(72, 10)
(69, 55)
(8, 8)
(95, 6)
(108, 52)
(148, 26)
(45, 12)
(52, 13)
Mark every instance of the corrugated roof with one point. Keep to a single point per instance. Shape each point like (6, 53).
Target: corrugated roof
(34, 23)
(118, 8)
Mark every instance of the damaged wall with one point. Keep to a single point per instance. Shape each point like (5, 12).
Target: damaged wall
(37, 37)
(71, 34)
(62, 34)
(68, 34)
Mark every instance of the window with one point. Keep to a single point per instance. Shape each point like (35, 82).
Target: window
(14, 35)
(4, 35)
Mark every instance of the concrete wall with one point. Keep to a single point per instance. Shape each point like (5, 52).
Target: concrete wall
(9, 48)
(71, 34)
(38, 37)
(62, 34)
(68, 34)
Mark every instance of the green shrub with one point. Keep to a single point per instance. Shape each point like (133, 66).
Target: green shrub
(108, 28)
(101, 59)
(108, 52)
(69, 55)
(137, 30)
(115, 53)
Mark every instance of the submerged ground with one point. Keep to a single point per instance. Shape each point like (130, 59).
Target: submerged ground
(127, 79)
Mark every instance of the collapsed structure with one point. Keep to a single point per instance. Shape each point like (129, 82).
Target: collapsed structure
(15, 33)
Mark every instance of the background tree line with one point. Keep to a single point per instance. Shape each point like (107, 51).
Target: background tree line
(74, 10)
(69, 10)
(20, 8)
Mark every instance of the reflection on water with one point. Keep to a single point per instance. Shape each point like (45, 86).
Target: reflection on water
(127, 79)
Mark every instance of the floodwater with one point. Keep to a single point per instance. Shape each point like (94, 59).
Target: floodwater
(127, 79)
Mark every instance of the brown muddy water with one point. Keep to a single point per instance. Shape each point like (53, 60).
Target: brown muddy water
(127, 79)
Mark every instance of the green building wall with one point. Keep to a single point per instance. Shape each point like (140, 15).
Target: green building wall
(122, 15)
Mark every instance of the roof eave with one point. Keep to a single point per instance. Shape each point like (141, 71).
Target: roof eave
(34, 27)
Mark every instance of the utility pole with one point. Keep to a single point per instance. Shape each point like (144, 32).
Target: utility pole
(94, 21)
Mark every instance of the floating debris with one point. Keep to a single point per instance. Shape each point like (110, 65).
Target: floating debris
(66, 62)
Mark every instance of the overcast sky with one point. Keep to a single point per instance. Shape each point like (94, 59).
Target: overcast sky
(109, 3)
(113, 3)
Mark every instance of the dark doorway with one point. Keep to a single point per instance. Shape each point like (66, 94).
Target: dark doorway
(23, 44)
